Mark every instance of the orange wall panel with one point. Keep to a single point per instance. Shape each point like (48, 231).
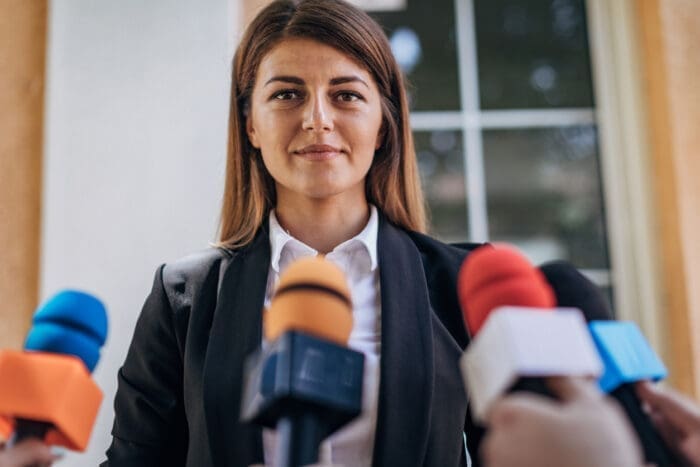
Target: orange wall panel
(22, 55)
(670, 37)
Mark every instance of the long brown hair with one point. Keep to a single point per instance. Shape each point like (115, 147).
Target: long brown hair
(393, 182)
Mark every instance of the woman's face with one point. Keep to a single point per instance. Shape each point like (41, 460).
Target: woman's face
(316, 118)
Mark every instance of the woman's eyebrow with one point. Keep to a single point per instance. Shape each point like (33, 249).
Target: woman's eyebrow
(333, 81)
(348, 79)
(285, 79)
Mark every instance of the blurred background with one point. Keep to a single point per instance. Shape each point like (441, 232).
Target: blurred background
(566, 127)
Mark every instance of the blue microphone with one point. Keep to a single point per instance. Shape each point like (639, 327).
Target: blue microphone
(60, 351)
(70, 323)
(626, 355)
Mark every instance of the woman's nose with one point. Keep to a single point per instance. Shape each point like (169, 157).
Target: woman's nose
(318, 115)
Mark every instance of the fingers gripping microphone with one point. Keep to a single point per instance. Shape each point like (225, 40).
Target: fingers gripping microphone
(507, 306)
(626, 355)
(307, 383)
(46, 391)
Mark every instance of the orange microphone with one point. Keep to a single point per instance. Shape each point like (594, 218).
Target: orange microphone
(312, 297)
(46, 391)
(307, 384)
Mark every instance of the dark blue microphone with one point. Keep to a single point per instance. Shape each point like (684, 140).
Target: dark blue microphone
(307, 384)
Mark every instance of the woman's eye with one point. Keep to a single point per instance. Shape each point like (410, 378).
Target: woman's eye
(348, 97)
(286, 95)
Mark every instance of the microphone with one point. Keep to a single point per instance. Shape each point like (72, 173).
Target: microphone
(626, 355)
(518, 339)
(46, 391)
(306, 383)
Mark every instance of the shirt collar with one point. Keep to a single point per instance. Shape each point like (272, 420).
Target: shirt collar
(281, 241)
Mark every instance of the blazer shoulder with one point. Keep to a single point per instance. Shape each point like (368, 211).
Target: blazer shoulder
(183, 277)
(195, 264)
(432, 248)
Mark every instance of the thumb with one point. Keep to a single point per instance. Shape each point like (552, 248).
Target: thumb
(569, 389)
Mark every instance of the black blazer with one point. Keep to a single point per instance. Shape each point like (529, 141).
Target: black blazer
(178, 398)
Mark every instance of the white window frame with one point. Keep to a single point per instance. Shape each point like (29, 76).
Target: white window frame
(471, 121)
(626, 164)
(623, 157)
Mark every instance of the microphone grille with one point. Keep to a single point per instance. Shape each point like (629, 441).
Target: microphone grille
(312, 296)
(71, 322)
(573, 289)
(499, 275)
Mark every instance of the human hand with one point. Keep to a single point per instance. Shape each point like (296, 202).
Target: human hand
(582, 429)
(30, 452)
(676, 417)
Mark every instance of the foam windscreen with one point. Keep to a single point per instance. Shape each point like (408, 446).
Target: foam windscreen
(312, 297)
(499, 275)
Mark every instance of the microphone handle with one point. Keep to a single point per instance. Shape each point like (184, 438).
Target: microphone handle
(299, 437)
(29, 429)
(531, 384)
(25, 429)
(655, 449)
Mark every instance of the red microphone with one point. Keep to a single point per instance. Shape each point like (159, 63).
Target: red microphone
(507, 306)
(499, 275)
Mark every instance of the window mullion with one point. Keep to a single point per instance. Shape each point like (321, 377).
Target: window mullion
(471, 127)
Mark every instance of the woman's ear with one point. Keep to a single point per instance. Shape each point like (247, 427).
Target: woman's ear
(250, 130)
(380, 135)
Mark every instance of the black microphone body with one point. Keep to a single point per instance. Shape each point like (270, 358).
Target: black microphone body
(656, 451)
(573, 289)
(307, 388)
(533, 385)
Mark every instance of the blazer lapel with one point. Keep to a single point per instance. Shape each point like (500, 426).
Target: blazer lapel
(236, 332)
(406, 365)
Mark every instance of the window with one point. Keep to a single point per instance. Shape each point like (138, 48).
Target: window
(503, 115)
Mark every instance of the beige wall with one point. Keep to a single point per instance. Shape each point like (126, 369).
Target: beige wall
(670, 36)
(22, 54)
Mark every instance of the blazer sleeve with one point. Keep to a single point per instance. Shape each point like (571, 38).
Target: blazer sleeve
(150, 427)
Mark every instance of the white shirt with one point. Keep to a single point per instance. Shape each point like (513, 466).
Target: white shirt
(352, 445)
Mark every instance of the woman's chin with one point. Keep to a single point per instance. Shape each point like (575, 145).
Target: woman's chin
(319, 187)
(328, 192)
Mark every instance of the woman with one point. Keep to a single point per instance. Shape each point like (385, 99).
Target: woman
(320, 160)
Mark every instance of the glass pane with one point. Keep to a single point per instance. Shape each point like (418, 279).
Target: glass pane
(441, 165)
(608, 293)
(423, 41)
(544, 193)
(533, 54)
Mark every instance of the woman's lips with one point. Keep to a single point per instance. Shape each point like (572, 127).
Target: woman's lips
(318, 152)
